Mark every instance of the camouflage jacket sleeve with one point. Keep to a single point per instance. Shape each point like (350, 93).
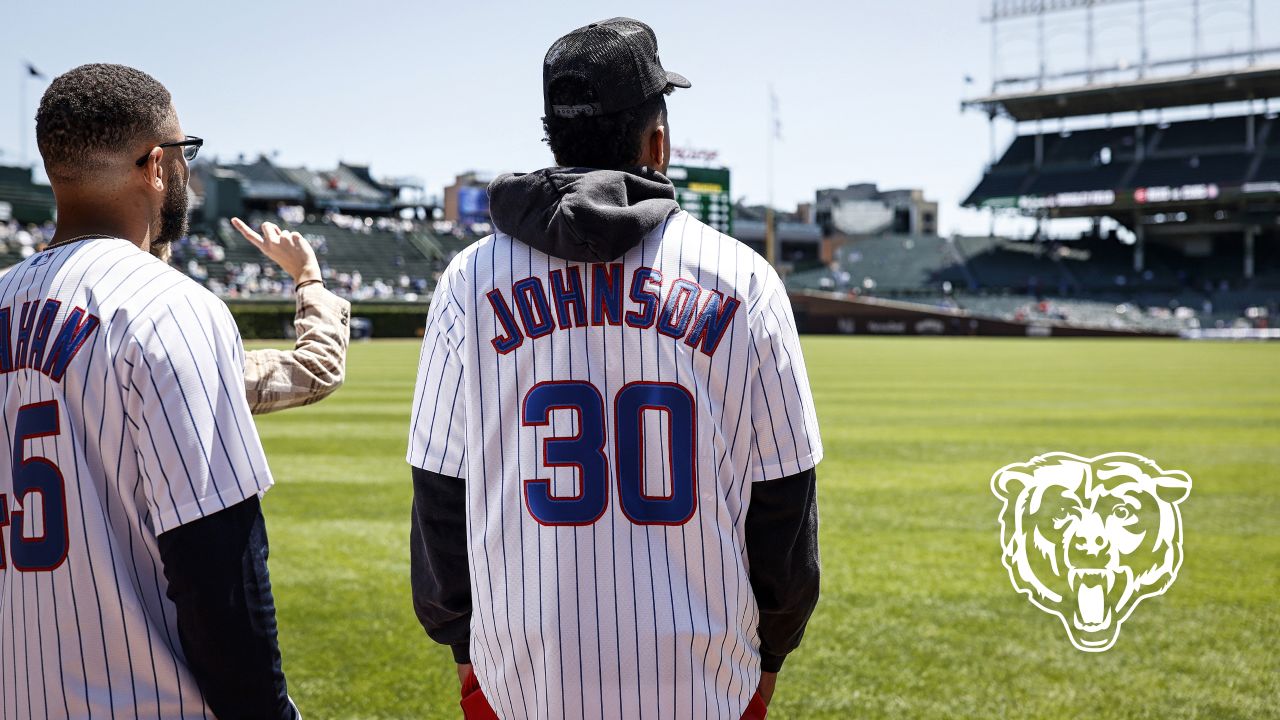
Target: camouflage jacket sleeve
(314, 368)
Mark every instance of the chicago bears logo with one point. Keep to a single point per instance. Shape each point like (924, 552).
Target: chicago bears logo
(1087, 539)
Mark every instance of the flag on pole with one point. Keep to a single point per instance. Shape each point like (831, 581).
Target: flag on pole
(33, 72)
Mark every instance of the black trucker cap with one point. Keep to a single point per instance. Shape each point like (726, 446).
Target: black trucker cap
(617, 58)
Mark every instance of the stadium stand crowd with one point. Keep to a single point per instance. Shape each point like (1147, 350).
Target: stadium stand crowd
(373, 246)
(371, 243)
(1089, 282)
(18, 241)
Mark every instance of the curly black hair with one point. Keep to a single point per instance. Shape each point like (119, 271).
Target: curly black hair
(607, 142)
(96, 110)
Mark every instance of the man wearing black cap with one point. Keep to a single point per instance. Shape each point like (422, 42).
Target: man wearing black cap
(613, 439)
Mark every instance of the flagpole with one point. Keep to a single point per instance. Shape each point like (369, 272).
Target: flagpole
(22, 118)
(770, 241)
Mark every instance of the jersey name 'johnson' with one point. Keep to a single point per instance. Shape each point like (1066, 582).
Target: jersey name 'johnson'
(680, 308)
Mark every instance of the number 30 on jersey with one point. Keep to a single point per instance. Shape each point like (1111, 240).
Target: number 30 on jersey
(586, 452)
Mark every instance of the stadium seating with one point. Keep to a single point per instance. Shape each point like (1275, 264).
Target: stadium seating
(1022, 151)
(1085, 146)
(1201, 134)
(29, 202)
(376, 255)
(453, 243)
(9, 255)
(1007, 264)
(373, 254)
(1088, 282)
(1008, 183)
(1194, 152)
(1054, 181)
(1083, 313)
(1268, 169)
(902, 263)
(1222, 169)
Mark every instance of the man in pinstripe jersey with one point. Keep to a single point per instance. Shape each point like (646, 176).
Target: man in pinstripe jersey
(135, 581)
(613, 439)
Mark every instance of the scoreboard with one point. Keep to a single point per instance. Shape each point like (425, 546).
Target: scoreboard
(703, 192)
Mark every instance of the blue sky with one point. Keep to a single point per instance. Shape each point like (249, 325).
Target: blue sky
(868, 91)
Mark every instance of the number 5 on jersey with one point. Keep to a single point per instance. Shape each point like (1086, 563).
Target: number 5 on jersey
(586, 452)
(35, 475)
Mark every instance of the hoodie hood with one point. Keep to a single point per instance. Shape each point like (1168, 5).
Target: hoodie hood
(580, 214)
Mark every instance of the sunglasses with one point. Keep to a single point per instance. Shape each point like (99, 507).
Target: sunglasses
(190, 148)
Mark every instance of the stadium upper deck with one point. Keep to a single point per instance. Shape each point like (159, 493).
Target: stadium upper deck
(1209, 187)
(1231, 165)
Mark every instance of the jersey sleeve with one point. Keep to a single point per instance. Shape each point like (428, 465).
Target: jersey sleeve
(438, 424)
(197, 446)
(786, 439)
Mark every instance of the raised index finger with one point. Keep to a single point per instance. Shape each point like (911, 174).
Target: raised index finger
(249, 233)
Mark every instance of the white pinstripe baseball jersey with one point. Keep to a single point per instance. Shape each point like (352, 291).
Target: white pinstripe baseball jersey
(124, 417)
(609, 419)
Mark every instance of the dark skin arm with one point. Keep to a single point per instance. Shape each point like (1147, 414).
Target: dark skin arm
(768, 681)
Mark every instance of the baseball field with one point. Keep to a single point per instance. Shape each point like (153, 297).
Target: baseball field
(918, 618)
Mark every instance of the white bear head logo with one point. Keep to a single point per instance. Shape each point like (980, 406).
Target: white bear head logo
(1087, 539)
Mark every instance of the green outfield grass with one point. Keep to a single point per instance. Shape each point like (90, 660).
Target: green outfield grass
(918, 618)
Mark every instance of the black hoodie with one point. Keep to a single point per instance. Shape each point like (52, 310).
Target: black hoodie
(584, 215)
(579, 214)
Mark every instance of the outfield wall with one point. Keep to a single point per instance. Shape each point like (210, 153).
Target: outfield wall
(816, 312)
(273, 319)
(839, 314)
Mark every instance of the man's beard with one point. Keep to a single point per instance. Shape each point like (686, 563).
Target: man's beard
(173, 220)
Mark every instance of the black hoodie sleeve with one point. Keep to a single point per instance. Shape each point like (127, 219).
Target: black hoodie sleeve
(438, 569)
(217, 572)
(782, 549)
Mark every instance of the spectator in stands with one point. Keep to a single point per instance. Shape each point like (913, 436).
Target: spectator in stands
(26, 242)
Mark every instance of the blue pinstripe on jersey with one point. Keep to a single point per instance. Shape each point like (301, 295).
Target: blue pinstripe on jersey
(648, 621)
(95, 637)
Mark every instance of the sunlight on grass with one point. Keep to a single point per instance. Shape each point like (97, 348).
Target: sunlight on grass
(917, 618)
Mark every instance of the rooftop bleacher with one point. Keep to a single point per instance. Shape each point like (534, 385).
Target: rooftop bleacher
(340, 189)
(264, 180)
